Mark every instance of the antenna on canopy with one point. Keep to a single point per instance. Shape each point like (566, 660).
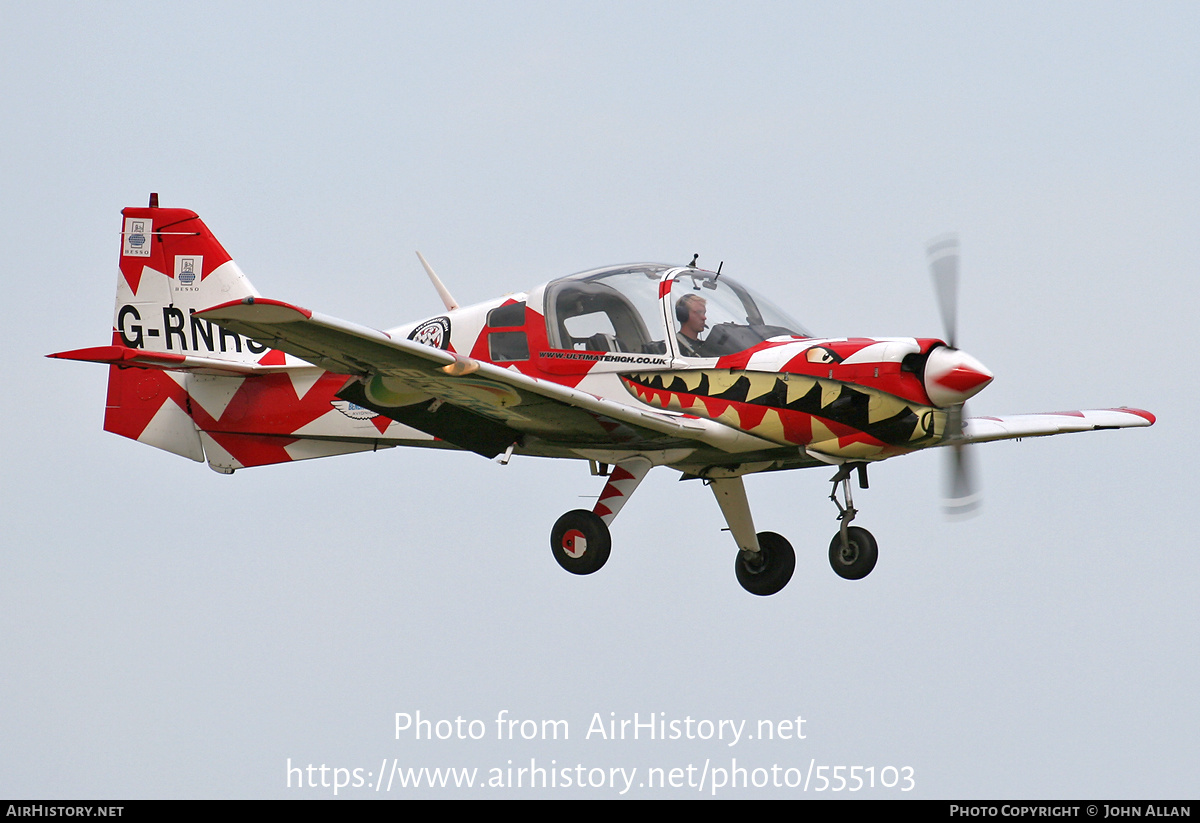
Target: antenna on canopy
(695, 257)
(447, 298)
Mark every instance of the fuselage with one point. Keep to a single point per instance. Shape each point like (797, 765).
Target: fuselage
(622, 333)
(748, 388)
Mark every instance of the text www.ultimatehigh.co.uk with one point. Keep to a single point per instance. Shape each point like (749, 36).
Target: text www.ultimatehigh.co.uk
(705, 778)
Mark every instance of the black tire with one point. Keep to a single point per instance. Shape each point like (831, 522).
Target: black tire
(775, 570)
(573, 529)
(858, 558)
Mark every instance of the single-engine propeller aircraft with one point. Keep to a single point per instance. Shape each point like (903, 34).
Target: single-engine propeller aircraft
(627, 367)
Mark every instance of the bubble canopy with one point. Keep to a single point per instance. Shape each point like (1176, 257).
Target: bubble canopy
(648, 308)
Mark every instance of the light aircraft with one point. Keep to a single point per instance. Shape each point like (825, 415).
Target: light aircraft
(627, 367)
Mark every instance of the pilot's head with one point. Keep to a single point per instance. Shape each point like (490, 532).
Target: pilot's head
(691, 311)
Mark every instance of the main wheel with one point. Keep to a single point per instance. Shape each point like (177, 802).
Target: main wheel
(772, 573)
(857, 558)
(580, 542)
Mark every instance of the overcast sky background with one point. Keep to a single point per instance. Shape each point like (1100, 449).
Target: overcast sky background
(169, 632)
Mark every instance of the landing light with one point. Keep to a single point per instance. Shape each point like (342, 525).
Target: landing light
(461, 366)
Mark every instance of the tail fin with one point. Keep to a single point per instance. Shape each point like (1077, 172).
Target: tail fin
(171, 266)
(180, 383)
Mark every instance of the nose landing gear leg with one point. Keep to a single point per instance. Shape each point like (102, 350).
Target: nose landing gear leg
(853, 551)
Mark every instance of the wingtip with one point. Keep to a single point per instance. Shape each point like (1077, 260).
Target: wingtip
(265, 310)
(1142, 413)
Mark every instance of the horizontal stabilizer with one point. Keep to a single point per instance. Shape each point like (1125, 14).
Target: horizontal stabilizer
(125, 356)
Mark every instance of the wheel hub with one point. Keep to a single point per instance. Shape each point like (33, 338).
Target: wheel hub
(754, 562)
(768, 570)
(574, 543)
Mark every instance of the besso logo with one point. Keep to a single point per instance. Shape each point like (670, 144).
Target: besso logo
(188, 268)
(135, 237)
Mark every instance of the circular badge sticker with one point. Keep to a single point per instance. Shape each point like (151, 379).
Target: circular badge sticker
(435, 333)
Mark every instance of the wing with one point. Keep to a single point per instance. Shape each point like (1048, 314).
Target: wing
(473, 404)
(1016, 426)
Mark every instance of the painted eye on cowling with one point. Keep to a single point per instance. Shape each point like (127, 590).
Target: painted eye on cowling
(821, 354)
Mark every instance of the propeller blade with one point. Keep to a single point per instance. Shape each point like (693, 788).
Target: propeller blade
(943, 265)
(962, 497)
(962, 493)
(954, 424)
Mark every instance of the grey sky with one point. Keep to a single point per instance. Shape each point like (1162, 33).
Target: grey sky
(169, 632)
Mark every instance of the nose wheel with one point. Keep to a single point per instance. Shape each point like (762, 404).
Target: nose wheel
(853, 551)
(854, 554)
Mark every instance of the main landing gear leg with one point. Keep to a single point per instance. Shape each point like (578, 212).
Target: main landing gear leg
(580, 540)
(765, 560)
(853, 550)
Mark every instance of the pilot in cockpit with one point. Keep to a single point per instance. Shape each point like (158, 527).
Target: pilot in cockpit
(691, 312)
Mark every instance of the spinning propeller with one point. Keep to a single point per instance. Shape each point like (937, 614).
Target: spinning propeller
(951, 376)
